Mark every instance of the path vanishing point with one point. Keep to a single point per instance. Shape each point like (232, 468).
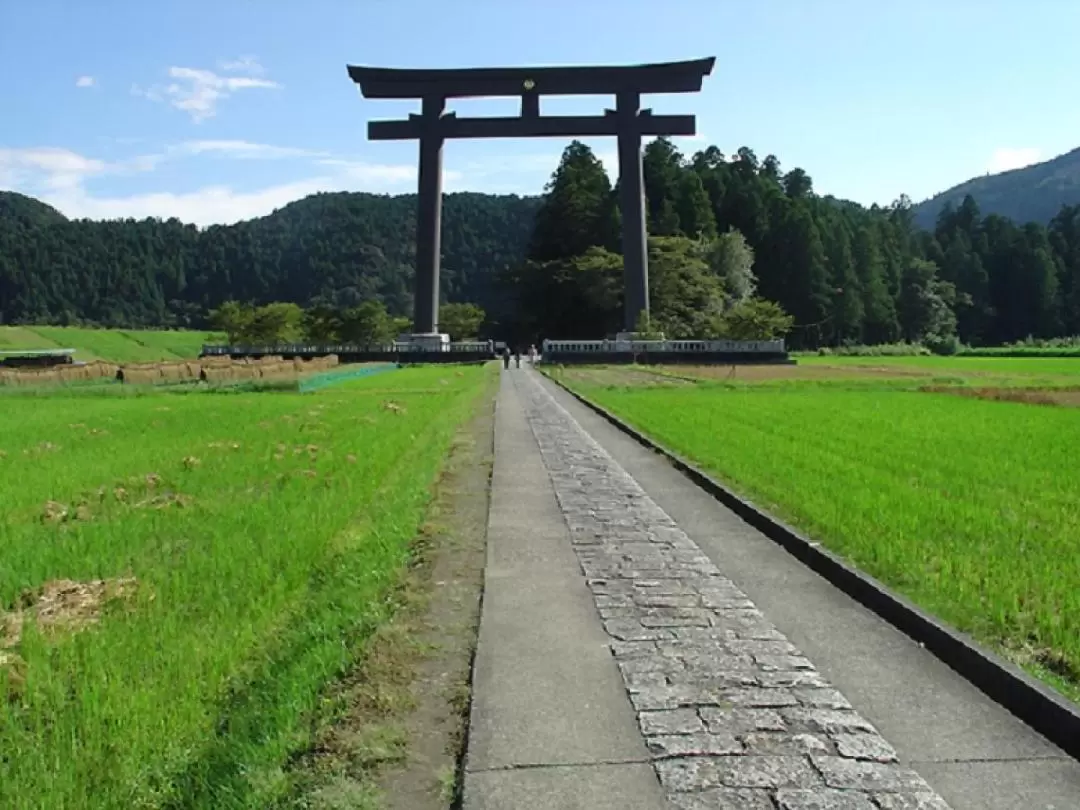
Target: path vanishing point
(643, 648)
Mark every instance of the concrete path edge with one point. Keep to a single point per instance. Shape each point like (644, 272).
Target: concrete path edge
(1003, 682)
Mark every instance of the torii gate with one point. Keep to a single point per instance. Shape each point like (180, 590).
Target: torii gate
(434, 125)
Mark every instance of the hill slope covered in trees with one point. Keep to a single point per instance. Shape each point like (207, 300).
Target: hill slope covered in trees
(845, 272)
(1031, 194)
(549, 267)
(335, 249)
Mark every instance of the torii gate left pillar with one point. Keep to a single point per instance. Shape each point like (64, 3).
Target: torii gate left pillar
(632, 207)
(429, 223)
(628, 122)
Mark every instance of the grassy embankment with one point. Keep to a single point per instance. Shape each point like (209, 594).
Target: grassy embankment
(969, 507)
(112, 345)
(248, 544)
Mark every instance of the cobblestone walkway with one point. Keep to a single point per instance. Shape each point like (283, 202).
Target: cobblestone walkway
(733, 715)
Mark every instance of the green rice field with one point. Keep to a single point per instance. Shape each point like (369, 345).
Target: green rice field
(975, 366)
(184, 573)
(113, 345)
(970, 507)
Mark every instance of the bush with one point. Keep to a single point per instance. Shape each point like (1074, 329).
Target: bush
(883, 350)
(948, 345)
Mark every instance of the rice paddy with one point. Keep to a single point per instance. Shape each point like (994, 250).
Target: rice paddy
(184, 573)
(966, 504)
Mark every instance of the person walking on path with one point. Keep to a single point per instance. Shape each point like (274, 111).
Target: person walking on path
(506, 357)
(517, 356)
(532, 354)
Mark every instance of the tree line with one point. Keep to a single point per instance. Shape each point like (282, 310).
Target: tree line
(737, 247)
(847, 274)
(368, 324)
(335, 250)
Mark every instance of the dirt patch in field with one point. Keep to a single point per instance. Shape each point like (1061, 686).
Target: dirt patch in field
(797, 372)
(622, 376)
(62, 605)
(147, 491)
(668, 376)
(1068, 397)
(400, 738)
(57, 607)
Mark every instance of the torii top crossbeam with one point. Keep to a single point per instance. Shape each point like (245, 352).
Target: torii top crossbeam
(402, 83)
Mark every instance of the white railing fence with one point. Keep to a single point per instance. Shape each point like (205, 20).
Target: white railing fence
(549, 347)
(472, 346)
(658, 346)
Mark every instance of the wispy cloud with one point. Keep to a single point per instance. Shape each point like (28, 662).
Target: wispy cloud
(198, 91)
(378, 172)
(244, 150)
(1007, 158)
(245, 64)
(47, 168)
(210, 205)
(63, 178)
(85, 81)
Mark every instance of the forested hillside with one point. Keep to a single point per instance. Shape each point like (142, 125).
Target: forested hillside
(1032, 194)
(331, 249)
(846, 273)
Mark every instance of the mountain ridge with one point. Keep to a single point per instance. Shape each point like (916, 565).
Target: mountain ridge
(1033, 193)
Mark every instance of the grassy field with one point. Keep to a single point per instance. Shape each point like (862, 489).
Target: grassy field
(183, 574)
(1009, 367)
(969, 507)
(113, 345)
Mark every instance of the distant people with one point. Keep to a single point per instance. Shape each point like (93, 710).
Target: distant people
(517, 357)
(532, 354)
(506, 357)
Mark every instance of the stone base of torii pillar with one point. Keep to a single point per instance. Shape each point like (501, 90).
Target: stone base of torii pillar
(426, 341)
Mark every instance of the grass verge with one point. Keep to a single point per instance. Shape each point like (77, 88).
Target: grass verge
(397, 738)
(113, 345)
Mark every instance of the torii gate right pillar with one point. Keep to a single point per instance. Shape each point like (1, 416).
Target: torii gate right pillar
(632, 208)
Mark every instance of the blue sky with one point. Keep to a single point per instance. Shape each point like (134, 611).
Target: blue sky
(219, 111)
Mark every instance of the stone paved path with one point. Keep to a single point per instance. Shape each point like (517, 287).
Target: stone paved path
(731, 712)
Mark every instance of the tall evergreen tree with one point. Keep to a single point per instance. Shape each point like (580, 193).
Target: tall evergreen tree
(662, 167)
(694, 208)
(577, 211)
(880, 324)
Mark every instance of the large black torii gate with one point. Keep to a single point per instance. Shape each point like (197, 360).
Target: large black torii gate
(434, 125)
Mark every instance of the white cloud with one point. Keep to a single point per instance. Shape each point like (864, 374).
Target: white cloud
(245, 64)
(65, 179)
(240, 149)
(377, 173)
(1008, 158)
(46, 168)
(59, 177)
(85, 81)
(223, 205)
(198, 92)
(210, 205)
